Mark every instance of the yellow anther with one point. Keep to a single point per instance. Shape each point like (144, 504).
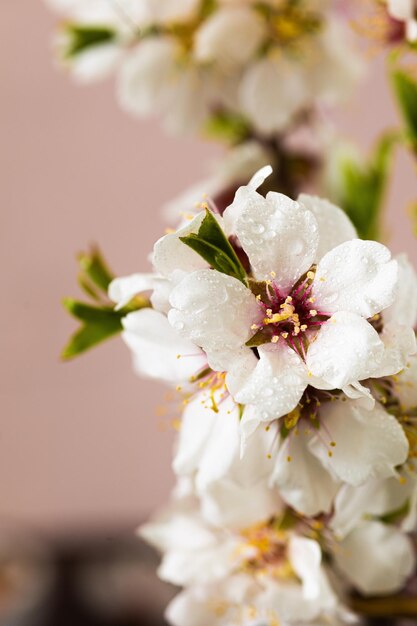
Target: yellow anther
(254, 327)
(276, 318)
(269, 312)
(292, 418)
(313, 312)
(178, 356)
(310, 275)
(273, 274)
(333, 444)
(303, 327)
(289, 459)
(330, 454)
(268, 456)
(275, 339)
(284, 335)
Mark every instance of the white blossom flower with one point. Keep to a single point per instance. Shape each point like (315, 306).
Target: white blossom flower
(405, 11)
(185, 59)
(276, 572)
(281, 85)
(316, 288)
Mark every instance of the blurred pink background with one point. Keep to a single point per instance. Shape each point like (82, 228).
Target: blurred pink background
(80, 444)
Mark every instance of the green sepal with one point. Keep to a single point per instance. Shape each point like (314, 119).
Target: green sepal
(82, 36)
(261, 337)
(94, 267)
(98, 323)
(89, 335)
(396, 516)
(213, 246)
(405, 89)
(231, 128)
(88, 313)
(364, 187)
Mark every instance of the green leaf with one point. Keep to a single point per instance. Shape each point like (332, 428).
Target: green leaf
(88, 313)
(364, 185)
(405, 89)
(213, 246)
(94, 266)
(99, 320)
(81, 37)
(229, 127)
(90, 335)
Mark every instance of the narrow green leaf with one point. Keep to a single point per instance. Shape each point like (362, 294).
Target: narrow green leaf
(213, 246)
(95, 267)
(405, 89)
(364, 186)
(88, 287)
(81, 37)
(259, 339)
(90, 335)
(397, 515)
(90, 314)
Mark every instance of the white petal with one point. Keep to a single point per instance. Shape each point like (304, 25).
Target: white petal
(202, 566)
(230, 36)
(122, 290)
(401, 9)
(375, 498)
(225, 503)
(346, 349)
(260, 177)
(278, 235)
(376, 558)
(147, 75)
(334, 225)
(170, 254)
(274, 383)
(178, 531)
(399, 344)
(187, 609)
(97, 63)
(356, 276)
(356, 457)
(158, 351)
(222, 446)
(305, 558)
(272, 90)
(404, 308)
(303, 481)
(214, 310)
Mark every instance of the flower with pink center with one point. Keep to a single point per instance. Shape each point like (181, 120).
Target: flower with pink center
(307, 313)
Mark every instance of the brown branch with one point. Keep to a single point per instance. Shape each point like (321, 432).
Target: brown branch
(389, 606)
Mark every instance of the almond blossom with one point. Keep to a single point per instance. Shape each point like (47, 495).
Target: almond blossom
(187, 60)
(256, 574)
(312, 285)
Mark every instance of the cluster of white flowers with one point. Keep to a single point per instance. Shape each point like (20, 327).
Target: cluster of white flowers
(187, 59)
(291, 344)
